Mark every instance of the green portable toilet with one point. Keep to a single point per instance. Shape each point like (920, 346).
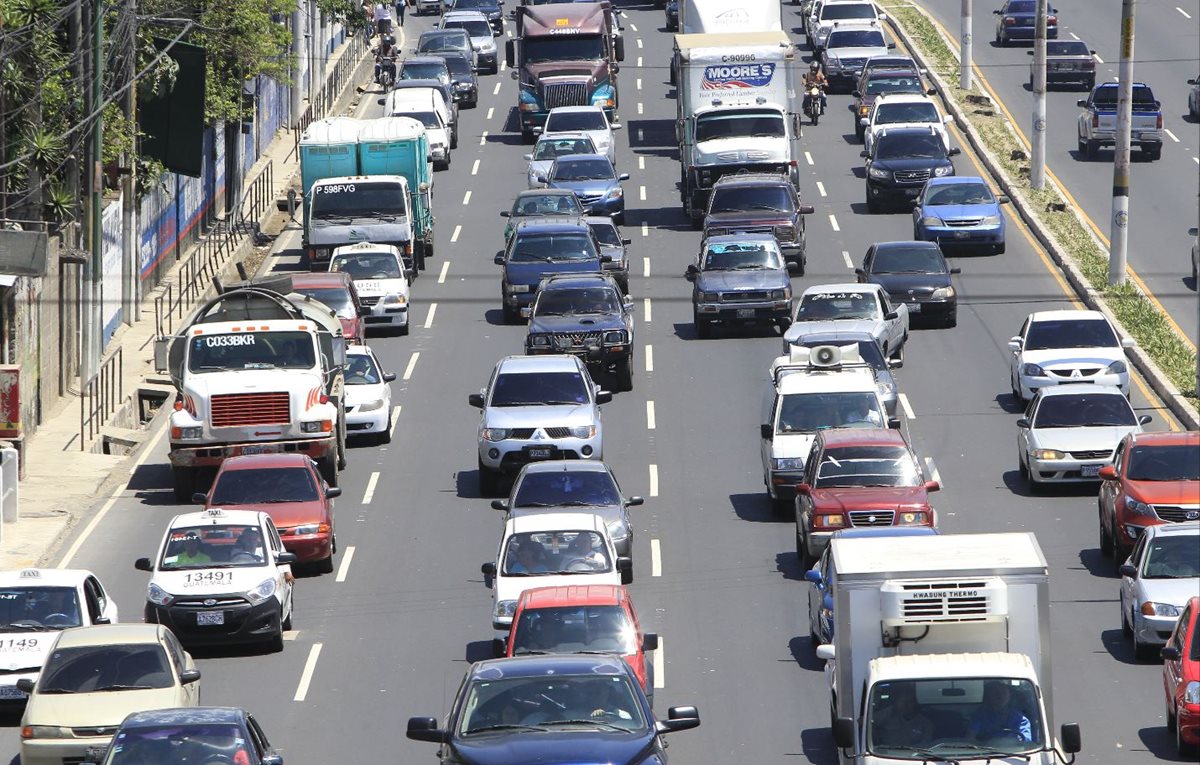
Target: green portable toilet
(329, 149)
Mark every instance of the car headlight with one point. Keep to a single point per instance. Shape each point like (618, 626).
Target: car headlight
(496, 434)
(616, 337)
(46, 731)
(394, 298)
(932, 220)
(618, 531)
(1032, 370)
(263, 591)
(504, 609)
(785, 233)
(833, 62)
(1137, 507)
(942, 293)
(1117, 368)
(158, 596)
(944, 170)
(583, 431)
(788, 463)
(316, 426)
(190, 433)
(885, 388)
(1150, 608)
(1049, 454)
(830, 521)
(783, 294)
(710, 297)
(912, 518)
(539, 341)
(517, 287)
(462, 86)
(990, 220)
(876, 172)
(615, 192)
(308, 528)
(371, 406)
(1191, 694)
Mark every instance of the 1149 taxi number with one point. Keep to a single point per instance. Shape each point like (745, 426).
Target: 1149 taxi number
(19, 644)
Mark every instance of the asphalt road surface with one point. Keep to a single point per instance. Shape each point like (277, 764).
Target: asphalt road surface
(391, 633)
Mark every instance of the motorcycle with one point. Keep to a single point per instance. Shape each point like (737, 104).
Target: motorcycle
(813, 104)
(387, 72)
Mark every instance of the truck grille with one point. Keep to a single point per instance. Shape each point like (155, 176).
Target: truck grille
(240, 409)
(1094, 454)
(565, 94)
(872, 517)
(750, 296)
(853, 64)
(1177, 514)
(367, 302)
(911, 176)
(956, 600)
(725, 230)
(576, 340)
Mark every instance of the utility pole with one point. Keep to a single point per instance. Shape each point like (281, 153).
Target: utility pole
(965, 39)
(130, 305)
(1119, 232)
(97, 188)
(1037, 163)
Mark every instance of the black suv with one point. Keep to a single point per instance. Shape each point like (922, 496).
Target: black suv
(899, 163)
(539, 248)
(585, 315)
(760, 203)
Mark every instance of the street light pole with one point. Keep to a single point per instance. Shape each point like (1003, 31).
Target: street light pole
(1037, 163)
(965, 39)
(1119, 231)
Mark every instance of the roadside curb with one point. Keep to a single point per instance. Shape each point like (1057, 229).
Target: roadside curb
(1149, 370)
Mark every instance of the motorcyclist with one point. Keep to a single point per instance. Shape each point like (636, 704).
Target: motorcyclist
(385, 57)
(815, 78)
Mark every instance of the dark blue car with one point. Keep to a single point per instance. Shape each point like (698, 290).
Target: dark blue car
(565, 708)
(1017, 20)
(542, 247)
(187, 734)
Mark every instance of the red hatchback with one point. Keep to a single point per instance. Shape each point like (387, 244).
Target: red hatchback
(1154, 479)
(289, 489)
(1181, 678)
(583, 619)
(855, 478)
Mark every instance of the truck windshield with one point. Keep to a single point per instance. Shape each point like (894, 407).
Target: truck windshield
(841, 11)
(894, 84)
(952, 718)
(810, 412)
(741, 256)
(358, 200)
(551, 248)
(219, 352)
(820, 306)
(563, 48)
(859, 466)
(741, 124)
(743, 198)
(856, 38)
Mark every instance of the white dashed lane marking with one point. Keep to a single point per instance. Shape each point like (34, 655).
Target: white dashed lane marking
(832, 221)
(475, 169)
(310, 666)
(646, 305)
(491, 111)
(442, 274)
(645, 228)
(650, 423)
(846, 257)
(412, 363)
(821, 189)
(429, 316)
(654, 480)
(1170, 135)
(808, 158)
(496, 90)
(660, 665)
(1185, 13)
(908, 412)
(369, 494)
(454, 238)
(483, 138)
(642, 193)
(646, 268)
(655, 557)
(344, 568)
(467, 197)
(649, 354)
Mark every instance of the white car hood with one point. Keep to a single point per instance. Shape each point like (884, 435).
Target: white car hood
(361, 394)
(1176, 592)
(13, 657)
(511, 587)
(1068, 358)
(791, 445)
(538, 416)
(240, 579)
(800, 328)
(381, 287)
(1082, 439)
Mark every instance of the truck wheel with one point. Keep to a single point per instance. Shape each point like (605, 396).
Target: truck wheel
(1153, 154)
(341, 436)
(185, 483)
(872, 204)
(527, 136)
(510, 316)
(327, 466)
(624, 374)
(1091, 149)
(1081, 144)
(703, 326)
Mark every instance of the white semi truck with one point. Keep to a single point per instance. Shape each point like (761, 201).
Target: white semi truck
(735, 113)
(257, 369)
(941, 651)
(708, 16)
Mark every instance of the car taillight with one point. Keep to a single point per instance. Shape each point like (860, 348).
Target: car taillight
(1089, 64)
(1051, 20)
(1095, 120)
(1158, 122)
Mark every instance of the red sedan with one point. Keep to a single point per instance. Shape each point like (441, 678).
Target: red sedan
(289, 489)
(1154, 479)
(587, 618)
(1181, 678)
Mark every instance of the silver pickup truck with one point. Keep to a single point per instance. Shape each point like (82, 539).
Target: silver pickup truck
(1098, 121)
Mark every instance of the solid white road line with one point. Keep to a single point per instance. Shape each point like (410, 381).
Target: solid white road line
(369, 494)
(650, 415)
(306, 676)
(645, 268)
(846, 257)
(496, 90)
(429, 316)
(655, 558)
(344, 568)
(503, 65)
(1185, 13)
(832, 221)
(483, 138)
(395, 418)
(821, 189)
(908, 412)
(1171, 135)
(654, 480)
(467, 197)
(808, 158)
(475, 168)
(641, 163)
(454, 236)
(645, 228)
(660, 664)
(412, 363)
(649, 353)
(642, 193)
(491, 111)
(646, 304)
(442, 275)
(1073, 35)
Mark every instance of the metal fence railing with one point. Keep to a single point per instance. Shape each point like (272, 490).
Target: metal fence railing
(257, 197)
(101, 396)
(320, 105)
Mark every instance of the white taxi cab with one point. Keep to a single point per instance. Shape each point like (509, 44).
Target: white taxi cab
(377, 271)
(35, 605)
(221, 576)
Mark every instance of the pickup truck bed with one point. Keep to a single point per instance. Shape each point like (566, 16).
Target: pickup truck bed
(1098, 121)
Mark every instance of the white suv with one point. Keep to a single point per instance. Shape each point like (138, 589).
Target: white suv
(838, 11)
(904, 110)
(381, 281)
(1065, 347)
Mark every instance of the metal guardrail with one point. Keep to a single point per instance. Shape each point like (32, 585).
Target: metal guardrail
(319, 106)
(257, 197)
(100, 397)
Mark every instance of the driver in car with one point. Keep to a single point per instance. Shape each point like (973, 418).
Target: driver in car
(581, 557)
(998, 718)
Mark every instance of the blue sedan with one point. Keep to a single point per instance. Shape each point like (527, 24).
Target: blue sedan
(960, 212)
(593, 179)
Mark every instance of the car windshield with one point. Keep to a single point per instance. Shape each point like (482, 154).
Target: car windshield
(1085, 410)
(448, 40)
(572, 629)
(368, 265)
(577, 301)
(839, 11)
(744, 198)
(552, 248)
(425, 70)
(38, 608)
(541, 553)
(204, 742)
(867, 349)
(555, 488)
(960, 194)
(1066, 48)
(741, 124)
(916, 146)
(856, 38)
(361, 369)
(260, 486)
(606, 233)
(583, 170)
(1172, 557)
(220, 352)
(333, 201)
(893, 84)
(810, 412)
(547, 204)
(953, 719)
(917, 111)
(540, 388)
(905, 260)
(497, 704)
(1165, 463)
(859, 466)
(737, 256)
(574, 122)
(536, 50)
(1022, 6)
(1070, 333)
(551, 148)
(459, 67)
(337, 298)
(483, 5)
(100, 668)
(475, 28)
(211, 547)
(428, 119)
(820, 306)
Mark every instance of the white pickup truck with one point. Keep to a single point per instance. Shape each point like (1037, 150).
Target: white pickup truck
(861, 307)
(1098, 121)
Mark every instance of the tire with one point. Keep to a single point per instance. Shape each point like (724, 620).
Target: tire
(403, 331)
(703, 327)
(1106, 540)
(951, 320)
(1142, 651)
(185, 482)
(1126, 630)
(1181, 746)
(1153, 154)
(1081, 144)
(859, 132)
(1030, 481)
(1120, 555)
(624, 374)
(527, 136)
(1015, 389)
(276, 643)
(489, 481)
(510, 316)
(780, 507)
(325, 566)
(627, 576)
(814, 115)
(386, 436)
(327, 467)
(1091, 149)
(806, 559)
(872, 205)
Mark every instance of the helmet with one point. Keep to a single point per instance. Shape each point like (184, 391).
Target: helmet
(814, 66)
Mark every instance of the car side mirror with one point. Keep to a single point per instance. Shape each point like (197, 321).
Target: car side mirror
(1145, 418)
(806, 209)
(856, 94)
(606, 258)
(766, 431)
(1003, 199)
(1193, 231)
(272, 759)
(843, 727)
(650, 641)
(859, 272)
(1128, 342)
(865, 122)
(895, 363)
(286, 557)
(1128, 570)
(624, 564)
(813, 575)
(891, 315)
(527, 157)
(891, 46)
(540, 178)
(143, 564)
(1192, 81)
(635, 501)
(499, 259)
(626, 241)
(1170, 653)
(425, 729)
(623, 177)
(199, 498)
(389, 377)
(616, 126)
(603, 397)
(488, 569)
(1023, 422)
(475, 400)
(25, 685)
(894, 423)
(932, 486)
(526, 312)
(1028, 53)
(803, 489)
(1069, 736)
(692, 272)
(679, 718)
(500, 504)
(863, 154)
(381, 101)
(954, 152)
(1108, 473)
(1081, 102)
(931, 92)
(102, 620)
(188, 676)
(995, 13)
(1015, 343)
(948, 119)
(506, 213)
(954, 271)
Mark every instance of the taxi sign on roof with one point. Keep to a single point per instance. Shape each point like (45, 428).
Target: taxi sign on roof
(31, 573)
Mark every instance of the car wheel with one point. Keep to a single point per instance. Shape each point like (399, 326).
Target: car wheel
(1171, 721)
(872, 205)
(650, 682)
(1035, 486)
(998, 249)
(806, 558)
(1091, 150)
(951, 319)
(1015, 388)
(1153, 154)
(489, 480)
(276, 643)
(704, 327)
(1182, 746)
(859, 132)
(1106, 541)
(510, 316)
(1120, 555)
(323, 567)
(327, 467)
(1141, 651)
(780, 507)
(624, 374)
(1082, 144)
(1126, 630)
(185, 483)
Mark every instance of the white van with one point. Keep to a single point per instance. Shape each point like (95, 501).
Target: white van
(427, 106)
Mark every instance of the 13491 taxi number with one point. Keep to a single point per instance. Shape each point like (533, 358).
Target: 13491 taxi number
(199, 578)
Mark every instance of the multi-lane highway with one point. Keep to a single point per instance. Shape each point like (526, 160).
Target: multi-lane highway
(1162, 203)
(390, 634)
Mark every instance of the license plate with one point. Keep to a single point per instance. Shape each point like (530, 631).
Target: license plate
(914, 307)
(1089, 471)
(210, 618)
(264, 449)
(540, 453)
(11, 692)
(745, 313)
(961, 234)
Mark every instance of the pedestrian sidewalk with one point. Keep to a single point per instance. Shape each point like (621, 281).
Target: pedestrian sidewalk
(63, 483)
